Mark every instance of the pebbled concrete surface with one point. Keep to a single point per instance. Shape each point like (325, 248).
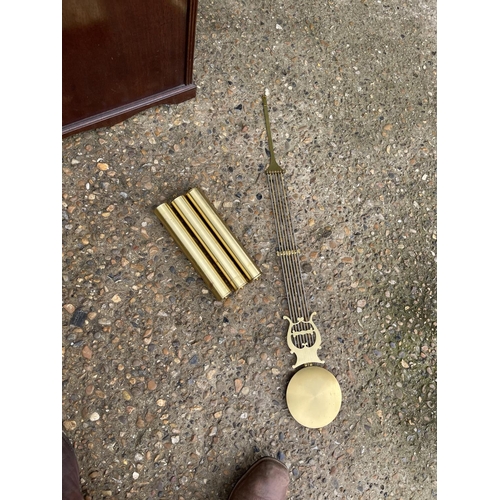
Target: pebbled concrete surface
(168, 393)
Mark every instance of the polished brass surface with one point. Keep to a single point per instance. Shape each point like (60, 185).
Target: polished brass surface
(223, 233)
(313, 397)
(215, 253)
(304, 340)
(209, 242)
(192, 251)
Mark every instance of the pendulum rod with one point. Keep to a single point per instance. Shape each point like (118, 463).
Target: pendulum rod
(281, 247)
(288, 252)
(286, 247)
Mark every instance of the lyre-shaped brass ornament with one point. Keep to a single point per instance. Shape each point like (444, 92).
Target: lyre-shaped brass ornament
(303, 341)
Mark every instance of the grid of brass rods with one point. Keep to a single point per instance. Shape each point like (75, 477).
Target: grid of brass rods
(289, 255)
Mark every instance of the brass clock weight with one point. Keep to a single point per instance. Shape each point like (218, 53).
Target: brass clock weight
(208, 243)
(313, 394)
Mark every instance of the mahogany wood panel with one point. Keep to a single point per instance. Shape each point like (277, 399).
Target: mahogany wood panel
(120, 57)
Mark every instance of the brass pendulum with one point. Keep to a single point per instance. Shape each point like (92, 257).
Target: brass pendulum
(313, 394)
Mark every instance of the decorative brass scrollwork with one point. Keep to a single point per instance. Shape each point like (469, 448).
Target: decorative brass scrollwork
(303, 340)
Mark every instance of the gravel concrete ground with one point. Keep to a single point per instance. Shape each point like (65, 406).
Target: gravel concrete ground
(169, 393)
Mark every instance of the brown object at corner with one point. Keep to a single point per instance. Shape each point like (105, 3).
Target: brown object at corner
(267, 479)
(71, 488)
(119, 58)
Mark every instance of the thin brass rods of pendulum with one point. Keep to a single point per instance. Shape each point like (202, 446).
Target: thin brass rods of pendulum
(287, 249)
(283, 248)
(289, 256)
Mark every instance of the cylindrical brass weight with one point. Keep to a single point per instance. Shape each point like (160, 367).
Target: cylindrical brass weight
(223, 233)
(192, 251)
(208, 241)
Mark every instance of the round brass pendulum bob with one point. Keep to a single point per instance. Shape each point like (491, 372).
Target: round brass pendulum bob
(313, 397)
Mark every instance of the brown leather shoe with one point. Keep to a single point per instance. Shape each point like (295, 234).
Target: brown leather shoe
(71, 489)
(267, 479)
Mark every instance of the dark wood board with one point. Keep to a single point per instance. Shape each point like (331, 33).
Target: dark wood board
(120, 57)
